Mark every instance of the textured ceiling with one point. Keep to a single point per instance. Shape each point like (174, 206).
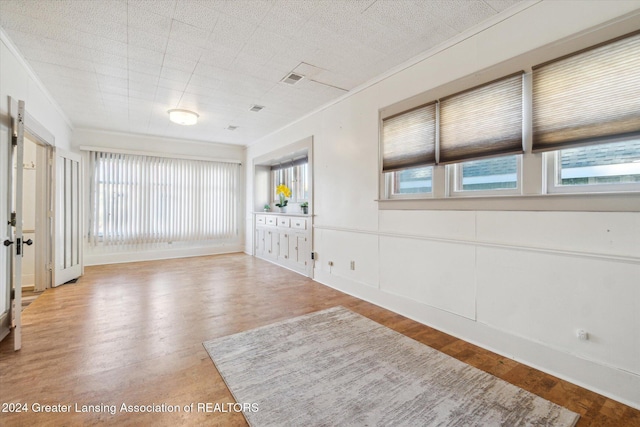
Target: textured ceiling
(119, 65)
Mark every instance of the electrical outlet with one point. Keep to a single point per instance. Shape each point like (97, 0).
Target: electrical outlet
(582, 335)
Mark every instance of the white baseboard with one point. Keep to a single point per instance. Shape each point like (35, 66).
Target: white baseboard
(609, 381)
(152, 255)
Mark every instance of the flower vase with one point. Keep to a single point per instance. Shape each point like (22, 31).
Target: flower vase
(283, 209)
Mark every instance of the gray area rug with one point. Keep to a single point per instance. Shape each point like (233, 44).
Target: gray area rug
(338, 368)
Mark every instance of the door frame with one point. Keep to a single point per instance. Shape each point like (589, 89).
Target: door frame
(45, 197)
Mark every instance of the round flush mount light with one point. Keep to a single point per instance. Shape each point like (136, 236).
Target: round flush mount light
(183, 117)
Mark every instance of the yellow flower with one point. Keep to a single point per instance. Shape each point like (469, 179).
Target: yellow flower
(284, 190)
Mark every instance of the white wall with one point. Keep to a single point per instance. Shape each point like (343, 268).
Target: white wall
(18, 81)
(156, 145)
(516, 282)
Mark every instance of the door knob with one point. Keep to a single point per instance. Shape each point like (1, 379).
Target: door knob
(28, 242)
(8, 242)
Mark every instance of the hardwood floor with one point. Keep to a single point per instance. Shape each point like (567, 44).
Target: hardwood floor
(133, 333)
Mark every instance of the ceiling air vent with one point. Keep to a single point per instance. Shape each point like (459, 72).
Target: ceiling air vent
(292, 78)
(256, 108)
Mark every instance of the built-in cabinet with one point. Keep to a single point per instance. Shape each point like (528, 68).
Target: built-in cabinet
(285, 240)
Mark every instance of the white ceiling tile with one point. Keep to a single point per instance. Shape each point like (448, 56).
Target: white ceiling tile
(175, 75)
(111, 80)
(160, 7)
(102, 44)
(183, 50)
(168, 98)
(58, 58)
(142, 95)
(114, 90)
(189, 34)
(252, 11)
(177, 63)
(231, 32)
(198, 14)
(105, 58)
(284, 20)
(148, 21)
(146, 40)
(468, 14)
(220, 57)
(109, 70)
(203, 83)
(264, 44)
(174, 85)
(143, 67)
(135, 76)
(147, 56)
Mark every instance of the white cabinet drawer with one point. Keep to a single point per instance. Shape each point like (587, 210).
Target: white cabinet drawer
(261, 220)
(283, 222)
(299, 223)
(272, 220)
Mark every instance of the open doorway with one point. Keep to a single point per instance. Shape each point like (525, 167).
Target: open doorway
(37, 220)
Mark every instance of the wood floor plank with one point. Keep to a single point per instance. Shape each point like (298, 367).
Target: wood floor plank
(132, 333)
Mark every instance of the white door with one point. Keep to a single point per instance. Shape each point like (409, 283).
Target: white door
(68, 218)
(14, 244)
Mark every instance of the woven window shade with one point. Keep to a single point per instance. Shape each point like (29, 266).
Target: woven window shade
(589, 96)
(409, 139)
(484, 121)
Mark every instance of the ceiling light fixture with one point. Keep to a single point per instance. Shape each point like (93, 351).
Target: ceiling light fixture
(183, 117)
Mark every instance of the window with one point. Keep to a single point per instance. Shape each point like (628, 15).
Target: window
(410, 181)
(482, 121)
(499, 175)
(139, 199)
(604, 167)
(409, 150)
(587, 107)
(293, 174)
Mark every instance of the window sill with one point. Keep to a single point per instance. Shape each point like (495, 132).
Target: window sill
(583, 202)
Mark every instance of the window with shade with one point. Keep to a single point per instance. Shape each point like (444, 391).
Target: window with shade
(581, 111)
(481, 137)
(138, 199)
(409, 151)
(477, 133)
(586, 117)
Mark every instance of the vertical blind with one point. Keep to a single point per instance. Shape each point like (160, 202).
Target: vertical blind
(409, 139)
(293, 174)
(139, 199)
(589, 96)
(483, 121)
